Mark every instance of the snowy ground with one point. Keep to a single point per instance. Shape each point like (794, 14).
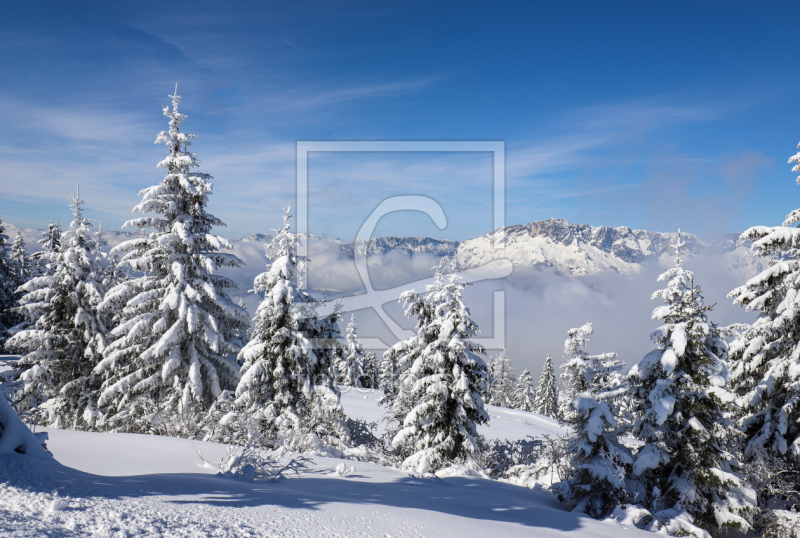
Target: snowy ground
(129, 485)
(504, 424)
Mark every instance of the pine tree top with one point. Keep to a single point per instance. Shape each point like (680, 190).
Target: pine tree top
(51, 237)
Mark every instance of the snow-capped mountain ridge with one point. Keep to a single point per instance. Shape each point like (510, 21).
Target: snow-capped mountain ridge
(256, 238)
(558, 244)
(410, 245)
(581, 249)
(633, 246)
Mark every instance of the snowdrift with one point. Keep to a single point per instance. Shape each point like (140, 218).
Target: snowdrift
(15, 436)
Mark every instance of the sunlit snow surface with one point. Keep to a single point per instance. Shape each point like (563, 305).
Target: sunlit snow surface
(135, 485)
(505, 423)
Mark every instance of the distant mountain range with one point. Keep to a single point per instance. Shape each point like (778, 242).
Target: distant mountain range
(580, 249)
(256, 238)
(408, 245)
(569, 249)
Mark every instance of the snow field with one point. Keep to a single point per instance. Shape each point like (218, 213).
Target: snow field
(505, 423)
(114, 484)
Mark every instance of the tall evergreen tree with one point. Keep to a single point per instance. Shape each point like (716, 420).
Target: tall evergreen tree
(64, 336)
(398, 358)
(442, 380)
(387, 381)
(351, 366)
(276, 367)
(599, 462)
(503, 380)
(291, 353)
(107, 264)
(546, 399)
(372, 369)
(100, 267)
(177, 328)
(584, 372)
(50, 242)
(683, 466)
(22, 265)
(524, 393)
(766, 358)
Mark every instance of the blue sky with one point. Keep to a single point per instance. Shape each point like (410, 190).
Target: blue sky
(645, 115)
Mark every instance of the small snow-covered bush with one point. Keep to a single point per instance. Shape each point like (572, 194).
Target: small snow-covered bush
(527, 462)
(502, 455)
(223, 424)
(344, 471)
(250, 462)
(323, 429)
(777, 484)
(326, 419)
(782, 524)
(362, 433)
(669, 522)
(143, 415)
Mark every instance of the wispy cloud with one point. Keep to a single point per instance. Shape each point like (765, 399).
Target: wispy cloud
(652, 113)
(601, 190)
(315, 96)
(586, 130)
(539, 158)
(75, 122)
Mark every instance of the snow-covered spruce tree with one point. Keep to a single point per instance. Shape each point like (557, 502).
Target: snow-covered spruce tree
(401, 356)
(387, 381)
(324, 422)
(8, 287)
(290, 355)
(572, 379)
(442, 381)
(22, 264)
(503, 380)
(177, 328)
(599, 463)
(107, 265)
(584, 372)
(524, 393)
(490, 370)
(546, 399)
(20, 268)
(351, 365)
(101, 268)
(372, 370)
(683, 467)
(51, 242)
(63, 337)
(765, 360)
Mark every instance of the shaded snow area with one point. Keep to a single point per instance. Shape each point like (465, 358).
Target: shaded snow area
(111, 484)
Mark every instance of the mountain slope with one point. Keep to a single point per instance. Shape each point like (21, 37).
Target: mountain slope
(579, 249)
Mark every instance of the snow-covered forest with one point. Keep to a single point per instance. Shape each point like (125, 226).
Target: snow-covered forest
(700, 436)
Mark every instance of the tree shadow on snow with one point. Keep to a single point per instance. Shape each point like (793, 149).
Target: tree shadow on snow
(464, 497)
